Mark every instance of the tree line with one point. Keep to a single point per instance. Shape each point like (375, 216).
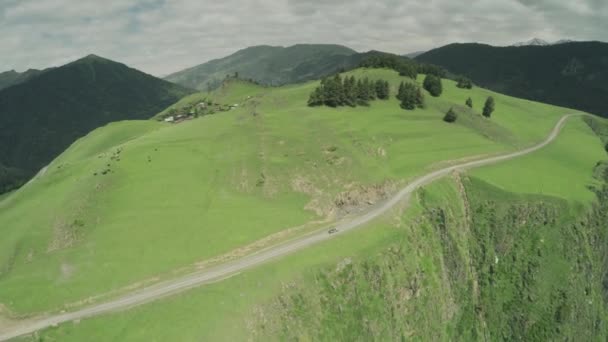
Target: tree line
(403, 65)
(348, 91)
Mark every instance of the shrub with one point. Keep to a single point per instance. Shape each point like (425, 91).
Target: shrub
(450, 116)
(464, 83)
(433, 85)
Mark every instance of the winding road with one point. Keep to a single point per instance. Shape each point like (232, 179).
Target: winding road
(223, 271)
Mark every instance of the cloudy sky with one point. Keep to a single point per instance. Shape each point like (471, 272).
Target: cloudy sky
(163, 36)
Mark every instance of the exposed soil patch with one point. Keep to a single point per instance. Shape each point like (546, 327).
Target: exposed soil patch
(317, 204)
(361, 196)
(65, 234)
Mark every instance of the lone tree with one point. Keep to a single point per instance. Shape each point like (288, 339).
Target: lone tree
(469, 103)
(433, 85)
(450, 116)
(488, 108)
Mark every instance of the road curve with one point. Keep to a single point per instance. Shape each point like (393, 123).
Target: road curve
(220, 272)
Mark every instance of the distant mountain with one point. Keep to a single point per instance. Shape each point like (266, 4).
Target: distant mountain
(414, 54)
(10, 78)
(542, 42)
(269, 65)
(533, 42)
(41, 116)
(571, 74)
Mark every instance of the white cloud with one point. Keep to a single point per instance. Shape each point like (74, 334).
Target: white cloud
(161, 36)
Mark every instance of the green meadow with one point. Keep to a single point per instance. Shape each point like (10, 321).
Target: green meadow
(284, 299)
(139, 201)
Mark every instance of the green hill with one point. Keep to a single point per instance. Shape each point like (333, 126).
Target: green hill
(270, 65)
(504, 252)
(42, 116)
(572, 74)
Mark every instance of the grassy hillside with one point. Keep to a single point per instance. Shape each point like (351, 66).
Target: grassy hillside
(571, 74)
(139, 201)
(41, 117)
(271, 65)
(467, 261)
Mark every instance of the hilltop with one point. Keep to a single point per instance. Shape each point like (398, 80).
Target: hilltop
(570, 74)
(45, 112)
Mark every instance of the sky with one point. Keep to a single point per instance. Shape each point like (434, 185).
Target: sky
(164, 36)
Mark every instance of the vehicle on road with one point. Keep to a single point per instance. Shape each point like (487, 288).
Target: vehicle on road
(332, 231)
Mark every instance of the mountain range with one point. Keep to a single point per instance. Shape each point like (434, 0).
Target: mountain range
(573, 74)
(268, 65)
(542, 42)
(44, 111)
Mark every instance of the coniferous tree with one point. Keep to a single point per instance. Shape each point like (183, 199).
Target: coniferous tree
(341, 97)
(469, 103)
(362, 93)
(349, 90)
(352, 95)
(401, 91)
(419, 98)
(450, 116)
(489, 107)
(330, 93)
(387, 90)
(408, 97)
(371, 88)
(334, 94)
(379, 89)
(316, 97)
(433, 85)
(382, 89)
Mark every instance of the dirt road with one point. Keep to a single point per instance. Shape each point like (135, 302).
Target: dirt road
(220, 272)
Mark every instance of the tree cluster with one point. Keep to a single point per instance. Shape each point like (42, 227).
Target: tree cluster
(469, 103)
(403, 65)
(464, 83)
(410, 95)
(348, 91)
(430, 69)
(433, 85)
